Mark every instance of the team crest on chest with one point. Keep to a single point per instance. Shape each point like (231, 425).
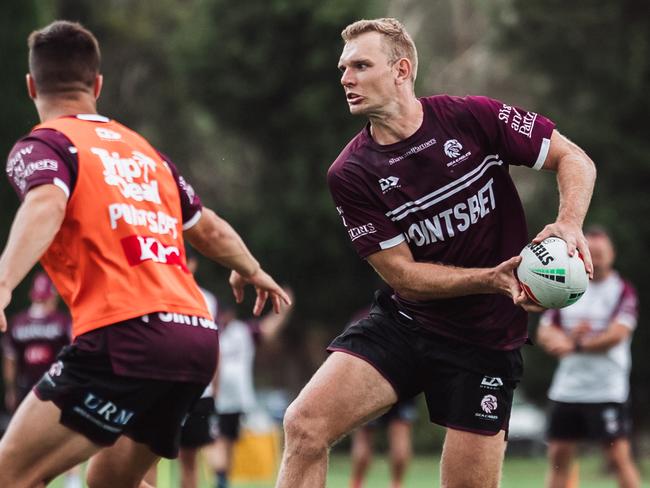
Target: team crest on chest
(453, 149)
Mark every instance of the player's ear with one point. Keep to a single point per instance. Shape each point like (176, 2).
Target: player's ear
(403, 68)
(31, 86)
(97, 86)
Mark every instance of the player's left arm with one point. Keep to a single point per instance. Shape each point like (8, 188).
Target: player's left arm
(35, 225)
(616, 332)
(576, 174)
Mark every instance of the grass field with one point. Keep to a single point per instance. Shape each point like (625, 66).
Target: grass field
(517, 473)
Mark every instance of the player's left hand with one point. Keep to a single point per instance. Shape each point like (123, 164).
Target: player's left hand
(5, 298)
(265, 287)
(574, 238)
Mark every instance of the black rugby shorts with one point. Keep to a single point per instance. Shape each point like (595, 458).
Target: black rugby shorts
(466, 387)
(101, 405)
(200, 427)
(229, 425)
(588, 421)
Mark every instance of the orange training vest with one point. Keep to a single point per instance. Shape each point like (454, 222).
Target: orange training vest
(119, 253)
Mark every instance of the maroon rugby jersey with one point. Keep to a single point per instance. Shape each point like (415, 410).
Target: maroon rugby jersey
(161, 346)
(33, 341)
(447, 192)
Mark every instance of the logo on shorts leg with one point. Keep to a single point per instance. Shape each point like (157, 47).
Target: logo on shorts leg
(491, 382)
(104, 413)
(56, 369)
(489, 403)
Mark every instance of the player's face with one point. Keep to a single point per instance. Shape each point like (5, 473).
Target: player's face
(602, 253)
(367, 75)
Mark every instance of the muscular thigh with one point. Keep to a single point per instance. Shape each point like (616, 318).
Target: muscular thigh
(345, 392)
(124, 464)
(36, 447)
(472, 460)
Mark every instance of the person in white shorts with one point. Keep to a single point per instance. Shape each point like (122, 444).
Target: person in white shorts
(238, 340)
(590, 388)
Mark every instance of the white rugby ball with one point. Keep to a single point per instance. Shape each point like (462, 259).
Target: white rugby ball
(549, 276)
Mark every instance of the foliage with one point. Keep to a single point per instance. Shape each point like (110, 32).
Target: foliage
(268, 72)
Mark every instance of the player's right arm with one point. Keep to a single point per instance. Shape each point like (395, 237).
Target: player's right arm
(34, 227)
(378, 240)
(414, 280)
(215, 238)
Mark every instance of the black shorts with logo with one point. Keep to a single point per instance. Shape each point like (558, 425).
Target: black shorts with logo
(200, 427)
(466, 387)
(101, 405)
(588, 421)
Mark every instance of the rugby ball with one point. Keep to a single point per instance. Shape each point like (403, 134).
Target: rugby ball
(549, 276)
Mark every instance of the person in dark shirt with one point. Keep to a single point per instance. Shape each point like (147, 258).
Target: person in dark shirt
(425, 195)
(107, 215)
(32, 341)
(30, 345)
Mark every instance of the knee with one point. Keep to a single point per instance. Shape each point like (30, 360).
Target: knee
(304, 431)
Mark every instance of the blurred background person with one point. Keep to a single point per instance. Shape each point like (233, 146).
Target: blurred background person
(590, 388)
(238, 340)
(33, 339)
(398, 422)
(199, 429)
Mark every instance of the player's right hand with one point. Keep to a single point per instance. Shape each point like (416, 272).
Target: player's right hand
(5, 299)
(265, 287)
(505, 282)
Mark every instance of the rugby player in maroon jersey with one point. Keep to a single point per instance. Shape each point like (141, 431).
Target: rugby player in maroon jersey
(425, 196)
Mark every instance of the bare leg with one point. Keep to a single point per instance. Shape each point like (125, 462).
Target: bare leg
(471, 460)
(560, 459)
(219, 455)
(619, 454)
(36, 447)
(399, 438)
(361, 455)
(124, 464)
(187, 458)
(345, 392)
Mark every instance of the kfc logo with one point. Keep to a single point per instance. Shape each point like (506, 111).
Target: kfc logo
(139, 249)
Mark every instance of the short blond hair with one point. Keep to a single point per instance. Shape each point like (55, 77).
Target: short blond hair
(399, 42)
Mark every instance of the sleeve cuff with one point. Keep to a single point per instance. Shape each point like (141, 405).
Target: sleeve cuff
(192, 221)
(543, 152)
(392, 242)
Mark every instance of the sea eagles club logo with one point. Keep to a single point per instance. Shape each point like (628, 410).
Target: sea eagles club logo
(452, 148)
(489, 403)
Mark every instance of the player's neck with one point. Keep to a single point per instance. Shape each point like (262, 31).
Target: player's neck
(398, 121)
(50, 108)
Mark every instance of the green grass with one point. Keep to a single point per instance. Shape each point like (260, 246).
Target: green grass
(517, 473)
